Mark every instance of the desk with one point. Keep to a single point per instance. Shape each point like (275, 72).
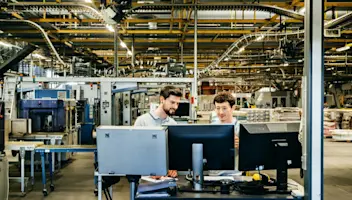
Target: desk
(207, 196)
(100, 183)
(210, 196)
(60, 149)
(23, 147)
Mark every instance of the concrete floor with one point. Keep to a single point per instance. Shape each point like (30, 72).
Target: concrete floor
(75, 181)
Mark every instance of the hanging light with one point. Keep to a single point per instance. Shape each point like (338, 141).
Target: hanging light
(123, 44)
(110, 28)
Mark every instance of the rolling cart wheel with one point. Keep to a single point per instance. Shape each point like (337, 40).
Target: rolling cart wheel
(52, 188)
(96, 192)
(45, 193)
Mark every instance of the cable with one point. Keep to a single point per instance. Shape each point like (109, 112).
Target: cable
(107, 191)
(106, 196)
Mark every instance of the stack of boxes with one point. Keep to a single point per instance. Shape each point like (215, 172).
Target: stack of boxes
(258, 115)
(346, 121)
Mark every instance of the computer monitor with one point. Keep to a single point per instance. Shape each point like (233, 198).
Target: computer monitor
(183, 109)
(217, 147)
(268, 146)
(217, 140)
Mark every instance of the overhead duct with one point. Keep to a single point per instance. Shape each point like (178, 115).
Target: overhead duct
(335, 23)
(45, 36)
(248, 39)
(48, 5)
(205, 6)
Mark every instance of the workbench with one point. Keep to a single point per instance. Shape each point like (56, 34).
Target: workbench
(22, 147)
(60, 149)
(52, 138)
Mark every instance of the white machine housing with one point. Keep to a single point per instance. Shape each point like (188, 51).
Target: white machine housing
(4, 177)
(128, 150)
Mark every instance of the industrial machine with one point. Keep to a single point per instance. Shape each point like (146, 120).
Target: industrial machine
(87, 115)
(47, 115)
(50, 117)
(54, 94)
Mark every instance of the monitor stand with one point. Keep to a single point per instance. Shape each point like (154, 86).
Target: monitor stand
(281, 168)
(133, 180)
(197, 168)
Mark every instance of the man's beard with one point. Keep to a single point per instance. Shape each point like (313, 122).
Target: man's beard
(168, 111)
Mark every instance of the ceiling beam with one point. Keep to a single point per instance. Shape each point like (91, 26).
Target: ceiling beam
(267, 2)
(166, 40)
(175, 20)
(59, 20)
(147, 31)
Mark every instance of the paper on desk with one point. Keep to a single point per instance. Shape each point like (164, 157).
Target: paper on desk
(164, 194)
(164, 178)
(218, 178)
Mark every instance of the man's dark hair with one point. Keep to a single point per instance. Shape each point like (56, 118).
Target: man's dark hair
(225, 97)
(167, 91)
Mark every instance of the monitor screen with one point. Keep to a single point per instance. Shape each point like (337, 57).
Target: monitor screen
(257, 145)
(183, 109)
(217, 140)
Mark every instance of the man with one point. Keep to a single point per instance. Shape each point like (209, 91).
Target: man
(225, 104)
(170, 98)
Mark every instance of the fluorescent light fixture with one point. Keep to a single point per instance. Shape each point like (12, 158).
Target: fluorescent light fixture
(301, 60)
(145, 2)
(5, 44)
(72, 83)
(241, 50)
(226, 59)
(88, 1)
(285, 64)
(302, 11)
(110, 28)
(345, 48)
(123, 44)
(129, 53)
(259, 38)
(38, 56)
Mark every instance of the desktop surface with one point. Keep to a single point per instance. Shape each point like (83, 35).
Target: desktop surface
(215, 196)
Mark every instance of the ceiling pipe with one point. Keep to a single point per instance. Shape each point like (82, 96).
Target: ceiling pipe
(35, 25)
(67, 4)
(336, 22)
(253, 38)
(229, 6)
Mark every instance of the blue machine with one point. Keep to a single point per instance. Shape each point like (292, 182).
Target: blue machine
(87, 122)
(47, 115)
(50, 93)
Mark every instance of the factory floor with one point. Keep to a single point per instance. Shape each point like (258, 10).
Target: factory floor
(75, 181)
